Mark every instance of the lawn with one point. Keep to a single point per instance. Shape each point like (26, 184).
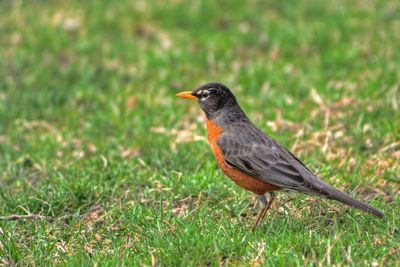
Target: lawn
(112, 169)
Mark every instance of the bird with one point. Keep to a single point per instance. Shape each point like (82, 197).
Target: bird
(252, 159)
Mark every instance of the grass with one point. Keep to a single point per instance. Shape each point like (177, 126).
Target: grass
(93, 139)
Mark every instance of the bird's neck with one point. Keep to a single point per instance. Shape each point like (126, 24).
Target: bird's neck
(229, 115)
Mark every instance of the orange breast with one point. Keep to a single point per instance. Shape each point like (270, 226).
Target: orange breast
(243, 180)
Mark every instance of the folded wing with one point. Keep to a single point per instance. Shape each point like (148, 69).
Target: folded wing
(263, 158)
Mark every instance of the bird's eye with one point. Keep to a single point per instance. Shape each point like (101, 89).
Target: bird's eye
(205, 94)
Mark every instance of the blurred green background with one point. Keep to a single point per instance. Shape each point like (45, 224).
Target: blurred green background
(93, 139)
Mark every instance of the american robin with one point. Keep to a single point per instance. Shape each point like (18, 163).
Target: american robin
(253, 160)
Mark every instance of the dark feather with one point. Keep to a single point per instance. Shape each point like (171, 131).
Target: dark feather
(256, 154)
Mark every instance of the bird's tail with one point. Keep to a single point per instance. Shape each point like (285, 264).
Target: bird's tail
(346, 199)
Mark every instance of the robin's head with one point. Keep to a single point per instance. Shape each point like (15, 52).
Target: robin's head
(212, 97)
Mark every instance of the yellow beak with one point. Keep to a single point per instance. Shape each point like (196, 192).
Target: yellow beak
(187, 95)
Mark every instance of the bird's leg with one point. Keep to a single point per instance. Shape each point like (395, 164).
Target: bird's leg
(265, 201)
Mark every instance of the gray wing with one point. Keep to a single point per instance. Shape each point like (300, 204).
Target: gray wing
(261, 157)
(266, 160)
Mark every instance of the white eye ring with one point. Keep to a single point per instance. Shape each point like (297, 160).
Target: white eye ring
(205, 94)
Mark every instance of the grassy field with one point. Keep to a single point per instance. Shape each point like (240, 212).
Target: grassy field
(115, 170)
